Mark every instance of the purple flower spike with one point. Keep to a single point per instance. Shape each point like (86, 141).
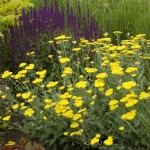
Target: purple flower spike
(50, 20)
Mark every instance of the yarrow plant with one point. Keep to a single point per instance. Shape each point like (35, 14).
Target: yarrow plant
(90, 94)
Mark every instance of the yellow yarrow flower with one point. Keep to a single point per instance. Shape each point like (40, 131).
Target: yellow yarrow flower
(64, 60)
(46, 100)
(63, 102)
(109, 92)
(6, 74)
(131, 69)
(20, 74)
(67, 71)
(144, 95)
(81, 84)
(102, 75)
(65, 95)
(128, 85)
(26, 95)
(50, 41)
(30, 100)
(29, 112)
(121, 128)
(77, 117)
(22, 65)
(109, 141)
(7, 118)
(133, 75)
(14, 107)
(52, 84)
(99, 83)
(3, 96)
(29, 67)
(25, 82)
(113, 104)
(118, 88)
(74, 125)
(50, 56)
(94, 96)
(89, 91)
(90, 70)
(61, 37)
(129, 115)
(117, 32)
(77, 133)
(95, 140)
(32, 53)
(131, 102)
(41, 73)
(62, 87)
(66, 133)
(117, 70)
(78, 103)
(81, 76)
(37, 80)
(76, 49)
(44, 118)
(136, 47)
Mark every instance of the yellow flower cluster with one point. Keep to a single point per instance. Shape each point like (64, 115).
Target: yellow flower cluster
(62, 37)
(52, 84)
(90, 70)
(113, 104)
(129, 115)
(20, 74)
(7, 118)
(102, 75)
(67, 71)
(32, 53)
(64, 60)
(29, 67)
(42, 73)
(95, 139)
(81, 84)
(131, 69)
(76, 49)
(77, 101)
(26, 95)
(144, 95)
(29, 112)
(109, 141)
(99, 83)
(128, 85)
(130, 99)
(116, 69)
(109, 92)
(6, 74)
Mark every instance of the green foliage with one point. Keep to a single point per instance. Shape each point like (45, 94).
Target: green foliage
(10, 11)
(123, 15)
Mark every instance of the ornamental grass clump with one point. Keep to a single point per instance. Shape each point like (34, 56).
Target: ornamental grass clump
(93, 95)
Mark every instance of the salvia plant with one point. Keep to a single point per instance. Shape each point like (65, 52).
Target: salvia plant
(50, 20)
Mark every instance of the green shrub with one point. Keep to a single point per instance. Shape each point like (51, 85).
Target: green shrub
(11, 10)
